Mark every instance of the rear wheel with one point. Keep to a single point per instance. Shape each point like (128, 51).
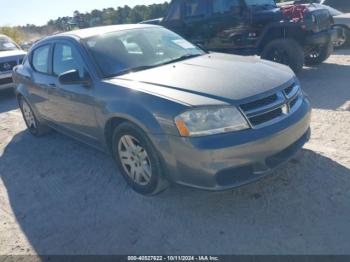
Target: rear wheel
(344, 41)
(36, 127)
(285, 51)
(138, 160)
(319, 54)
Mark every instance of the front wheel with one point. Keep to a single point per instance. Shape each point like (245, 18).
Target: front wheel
(138, 160)
(318, 55)
(285, 51)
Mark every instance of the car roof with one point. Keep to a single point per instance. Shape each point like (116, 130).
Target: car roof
(4, 36)
(90, 32)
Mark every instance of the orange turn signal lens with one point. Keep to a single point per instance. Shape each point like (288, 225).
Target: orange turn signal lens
(182, 127)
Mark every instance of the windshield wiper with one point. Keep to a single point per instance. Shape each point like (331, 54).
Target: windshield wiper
(145, 67)
(135, 69)
(181, 58)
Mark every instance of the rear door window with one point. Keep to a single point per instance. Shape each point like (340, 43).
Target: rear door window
(40, 59)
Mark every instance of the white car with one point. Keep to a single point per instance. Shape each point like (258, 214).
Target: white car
(10, 56)
(341, 20)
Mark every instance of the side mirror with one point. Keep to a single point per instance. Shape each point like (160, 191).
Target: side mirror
(72, 77)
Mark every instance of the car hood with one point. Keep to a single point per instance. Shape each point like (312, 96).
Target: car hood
(216, 76)
(13, 53)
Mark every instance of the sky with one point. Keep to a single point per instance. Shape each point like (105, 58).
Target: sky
(39, 12)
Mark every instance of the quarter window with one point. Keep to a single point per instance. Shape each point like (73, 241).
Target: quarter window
(66, 58)
(41, 59)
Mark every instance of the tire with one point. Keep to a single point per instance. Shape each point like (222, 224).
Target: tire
(154, 182)
(285, 51)
(345, 43)
(35, 127)
(347, 38)
(319, 55)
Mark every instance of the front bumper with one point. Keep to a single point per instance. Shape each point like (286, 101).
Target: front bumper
(229, 160)
(6, 81)
(325, 37)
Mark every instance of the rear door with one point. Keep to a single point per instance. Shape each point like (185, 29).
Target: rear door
(227, 24)
(40, 78)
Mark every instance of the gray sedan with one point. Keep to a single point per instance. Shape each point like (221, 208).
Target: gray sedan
(166, 110)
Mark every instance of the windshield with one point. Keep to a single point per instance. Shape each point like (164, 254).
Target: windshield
(7, 45)
(260, 2)
(127, 51)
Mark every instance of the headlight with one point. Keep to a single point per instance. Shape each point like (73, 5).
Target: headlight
(209, 121)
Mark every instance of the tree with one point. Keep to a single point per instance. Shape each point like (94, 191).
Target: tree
(13, 32)
(107, 16)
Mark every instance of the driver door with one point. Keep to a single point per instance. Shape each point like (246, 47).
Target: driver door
(71, 106)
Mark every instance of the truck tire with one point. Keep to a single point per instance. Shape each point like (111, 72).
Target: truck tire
(285, 51)
(319, 55)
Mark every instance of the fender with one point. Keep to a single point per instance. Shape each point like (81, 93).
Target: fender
(279, 30)
(135, 113)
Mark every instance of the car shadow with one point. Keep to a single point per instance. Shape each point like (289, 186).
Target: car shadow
(69, 199)
(327, 85)
(7, 100)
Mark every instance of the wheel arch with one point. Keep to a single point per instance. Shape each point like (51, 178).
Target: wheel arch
(21, 91)
(148, 124)
(275, 32)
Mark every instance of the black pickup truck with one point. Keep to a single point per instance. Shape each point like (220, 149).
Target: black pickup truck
(293, 34)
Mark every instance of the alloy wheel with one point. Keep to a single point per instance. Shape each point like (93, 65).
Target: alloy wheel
(28, 115)
(135, 160)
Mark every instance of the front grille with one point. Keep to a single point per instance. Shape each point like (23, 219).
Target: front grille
(289, 90)
(260, 119)
(259, 103)
(263, 111)
(5, 81)
(293, 102)
(7, 66)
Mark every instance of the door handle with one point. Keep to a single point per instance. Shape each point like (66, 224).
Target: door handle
(52, 85)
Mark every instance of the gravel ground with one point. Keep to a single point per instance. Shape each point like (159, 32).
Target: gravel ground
(58, 196)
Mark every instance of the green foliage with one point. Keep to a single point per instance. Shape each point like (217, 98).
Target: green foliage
(110, 16)
(107, 16)
(13, 32)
